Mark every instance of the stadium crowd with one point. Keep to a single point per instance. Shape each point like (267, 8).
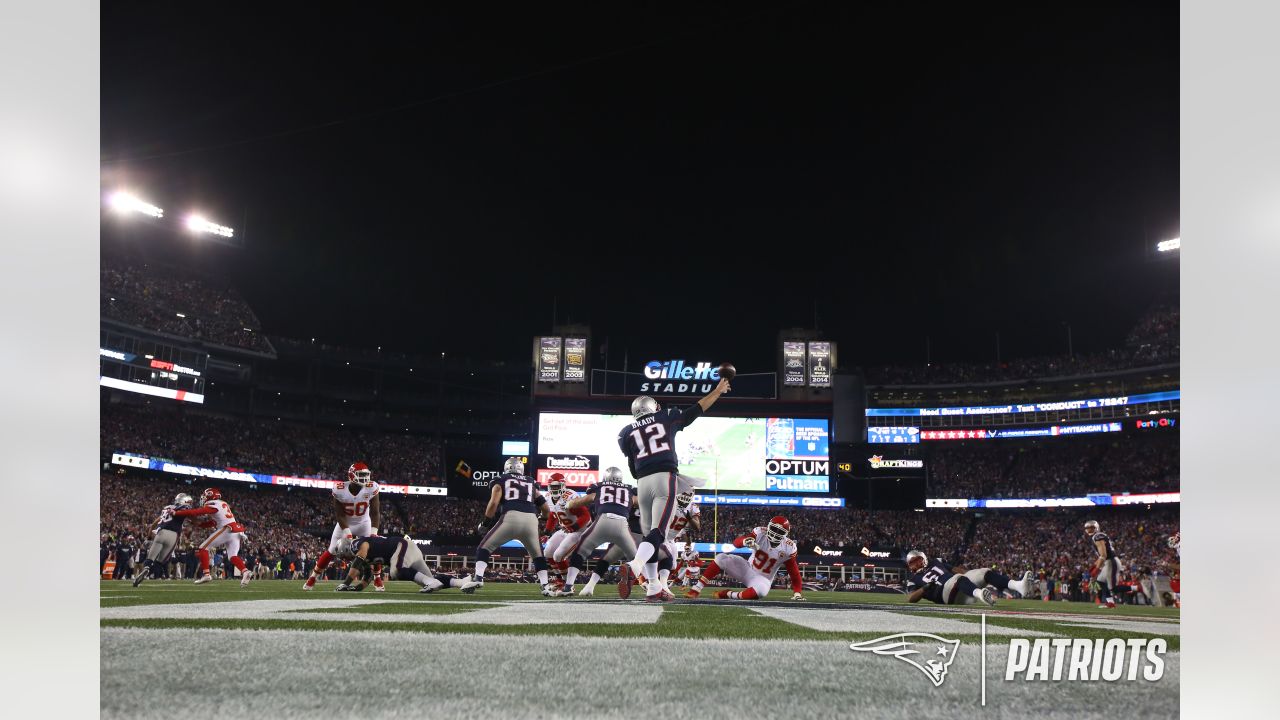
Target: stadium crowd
(152, 297)
(266, 446)
(1154, 340)
(1052, 468)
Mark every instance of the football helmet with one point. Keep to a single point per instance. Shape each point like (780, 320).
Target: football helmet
(182, 499)
(1175, 539)
(1091, 527)
(513, 466)
(684, 499)
(346, 548)
(644, 405)
(916, 560)
(555, 485)
(612, 474)
(777, 530)
(210, 494)
(359, 474)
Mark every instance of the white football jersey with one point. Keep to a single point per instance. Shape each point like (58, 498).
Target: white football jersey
(766, 559)
(357, 505)
(222, 517)
(680, 519)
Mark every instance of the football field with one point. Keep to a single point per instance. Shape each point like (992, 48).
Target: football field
(271, 650)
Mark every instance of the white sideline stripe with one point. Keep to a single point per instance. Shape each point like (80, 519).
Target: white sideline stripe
(499, 614)
(883, 621)
(459, 675)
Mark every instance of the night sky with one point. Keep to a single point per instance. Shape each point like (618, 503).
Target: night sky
(686, 182)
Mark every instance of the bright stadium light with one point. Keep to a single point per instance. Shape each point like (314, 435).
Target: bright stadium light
(123, 202)
(195, 223)
(1169, 245)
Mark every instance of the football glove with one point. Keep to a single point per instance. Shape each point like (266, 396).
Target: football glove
(749, 542)
(797, 596)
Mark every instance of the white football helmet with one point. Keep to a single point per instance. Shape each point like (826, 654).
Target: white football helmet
(513, 466)
(916, 560)
(612, 474)
(1091, 527)
(182, 499)
(644, 405)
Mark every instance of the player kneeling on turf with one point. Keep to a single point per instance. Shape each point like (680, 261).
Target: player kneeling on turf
(771, 548)
(937, 581)
(401, 555)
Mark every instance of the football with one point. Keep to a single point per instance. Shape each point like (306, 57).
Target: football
(727, 371)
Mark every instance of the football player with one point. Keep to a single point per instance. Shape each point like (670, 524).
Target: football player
(168, 527)
(551, 528)
(690, 565)
(612, 500)
(572, 521)
(1106, 566)
(401, 553)
(649, 444)
(358, 512)
(227, 532)
(685, 522)
(939, 582)
(513, 513)
(771, 547)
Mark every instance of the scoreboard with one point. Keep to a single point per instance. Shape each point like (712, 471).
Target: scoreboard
(149, 367)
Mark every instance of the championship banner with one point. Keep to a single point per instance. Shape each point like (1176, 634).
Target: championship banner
(793, 363)
(575, 359)
(820, 364)
(548, 359)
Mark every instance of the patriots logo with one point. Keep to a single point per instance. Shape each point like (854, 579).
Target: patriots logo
(930, 654)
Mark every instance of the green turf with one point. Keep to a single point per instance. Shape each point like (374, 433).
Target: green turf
(683, 619)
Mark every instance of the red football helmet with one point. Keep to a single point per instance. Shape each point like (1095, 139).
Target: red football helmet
(778, 529)
(359, 474)
(210, 494)
(555, 484)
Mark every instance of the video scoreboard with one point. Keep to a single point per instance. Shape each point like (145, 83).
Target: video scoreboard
(149, 367)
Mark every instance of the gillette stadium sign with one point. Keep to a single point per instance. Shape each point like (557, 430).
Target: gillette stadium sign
(677, 376)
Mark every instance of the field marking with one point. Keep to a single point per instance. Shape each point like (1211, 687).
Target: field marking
(858, 621)
(500, 613)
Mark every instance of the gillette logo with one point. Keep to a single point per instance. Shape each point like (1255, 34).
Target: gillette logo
(679, 370)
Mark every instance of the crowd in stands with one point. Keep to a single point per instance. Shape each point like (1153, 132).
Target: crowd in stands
(154, 297)
(1054, 468)
(1054, 545)
(266, 446)
(1153, 341)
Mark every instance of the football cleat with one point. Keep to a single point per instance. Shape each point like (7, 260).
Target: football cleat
(203, 579)
(310, 583)
(662, 596)
(722, 594)
(549, 590)
(378, 585)
(343, 587)
(624, 581)
(141, 576)
(1111, 604)
(471, 584)
(586, 592)
(245, 578)
(988, 596)
(693, 594)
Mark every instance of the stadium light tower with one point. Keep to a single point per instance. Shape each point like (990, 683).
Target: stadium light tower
(1169, 245)
(196, 223)
(124, 202)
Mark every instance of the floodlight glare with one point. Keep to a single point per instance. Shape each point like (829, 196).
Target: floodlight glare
(196, 223)
(1169, 245)
(124, 202)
